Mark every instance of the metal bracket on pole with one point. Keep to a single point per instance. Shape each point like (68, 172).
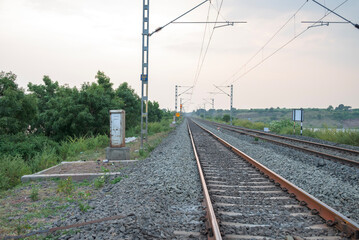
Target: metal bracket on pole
(229, 95)
(320, 23)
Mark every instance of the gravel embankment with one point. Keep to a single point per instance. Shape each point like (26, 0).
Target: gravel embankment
(163, 192)
(333, 183)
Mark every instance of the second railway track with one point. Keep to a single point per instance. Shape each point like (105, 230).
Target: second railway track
(251, 204)
(340, 154)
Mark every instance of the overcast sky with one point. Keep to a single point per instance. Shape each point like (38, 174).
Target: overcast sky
(71, 40)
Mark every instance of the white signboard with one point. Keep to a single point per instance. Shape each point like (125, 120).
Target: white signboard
(117, 128)
(298, 115)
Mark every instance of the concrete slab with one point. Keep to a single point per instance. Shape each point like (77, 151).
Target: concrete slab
(61, 171)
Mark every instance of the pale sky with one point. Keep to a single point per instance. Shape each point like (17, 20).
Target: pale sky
(70, 40)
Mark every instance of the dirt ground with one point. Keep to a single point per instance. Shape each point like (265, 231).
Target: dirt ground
(86, 167)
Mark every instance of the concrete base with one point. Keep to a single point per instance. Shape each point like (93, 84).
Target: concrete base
(117, 153)
(75, 176)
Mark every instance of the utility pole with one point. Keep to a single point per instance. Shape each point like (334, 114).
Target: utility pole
(181, 106)
(144, 74)
(145, 48)
(230, 96)
(177, 95)
(204, 105)
(231, 103)
(210, 102)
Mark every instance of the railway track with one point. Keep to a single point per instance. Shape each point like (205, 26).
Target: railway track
(252, 202)
(340, 154)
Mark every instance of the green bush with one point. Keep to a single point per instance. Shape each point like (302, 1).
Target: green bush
(99, 182)
(25, 145)
(12, 168)
(44, 159)
(34, 194)
(332, 135)
(226, 117)
(249, 124)
(84, 207)
(134, 131)
(65, 186)
(281, 127)
(116, 180)
(75, 145)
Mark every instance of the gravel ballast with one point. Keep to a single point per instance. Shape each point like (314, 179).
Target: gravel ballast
(161, 196)
(333, 183)
(247, 204)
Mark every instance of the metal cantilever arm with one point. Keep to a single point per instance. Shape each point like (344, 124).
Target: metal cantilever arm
(160, 28)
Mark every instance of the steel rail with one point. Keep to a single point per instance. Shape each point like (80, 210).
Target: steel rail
(332, 217)
(333, 157)
(296, 140)
(214, 232)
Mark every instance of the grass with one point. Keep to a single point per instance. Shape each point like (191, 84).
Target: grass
(65, 186)
(28, 206)
(34, 193)
(13, 167)
(152, 142)
(99, 182)
(286, 127)
(19, 211)
(116, 180)
(332, 135)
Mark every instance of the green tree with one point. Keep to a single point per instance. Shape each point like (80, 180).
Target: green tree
(104, 81)
(17, 110)
(97, 101)
(44, 93)
(66, 111)
(131, 104)
(226, 117)
(154, 112)
(341, 107)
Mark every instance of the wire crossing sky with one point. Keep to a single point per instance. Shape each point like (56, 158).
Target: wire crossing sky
(71, 40)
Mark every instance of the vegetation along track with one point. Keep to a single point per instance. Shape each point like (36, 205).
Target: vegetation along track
(252, 202)
(340, 154)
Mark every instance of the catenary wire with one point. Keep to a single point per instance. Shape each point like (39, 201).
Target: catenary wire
(269, 40)
(205, 53)
(284, 45)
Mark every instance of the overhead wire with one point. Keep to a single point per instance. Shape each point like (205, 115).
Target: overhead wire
(206, 51)
(203, 39)
(202, 45)
(284, 45)
(269, 40)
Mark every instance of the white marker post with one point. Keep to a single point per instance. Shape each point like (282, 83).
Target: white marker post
(298, 116)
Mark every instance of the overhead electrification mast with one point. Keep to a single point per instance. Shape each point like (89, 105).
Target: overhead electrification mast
(144, 74)
(145, 48)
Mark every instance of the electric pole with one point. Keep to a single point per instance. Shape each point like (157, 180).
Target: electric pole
(187, 88)
(230, 96)
(144, 74)
(145, 48)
